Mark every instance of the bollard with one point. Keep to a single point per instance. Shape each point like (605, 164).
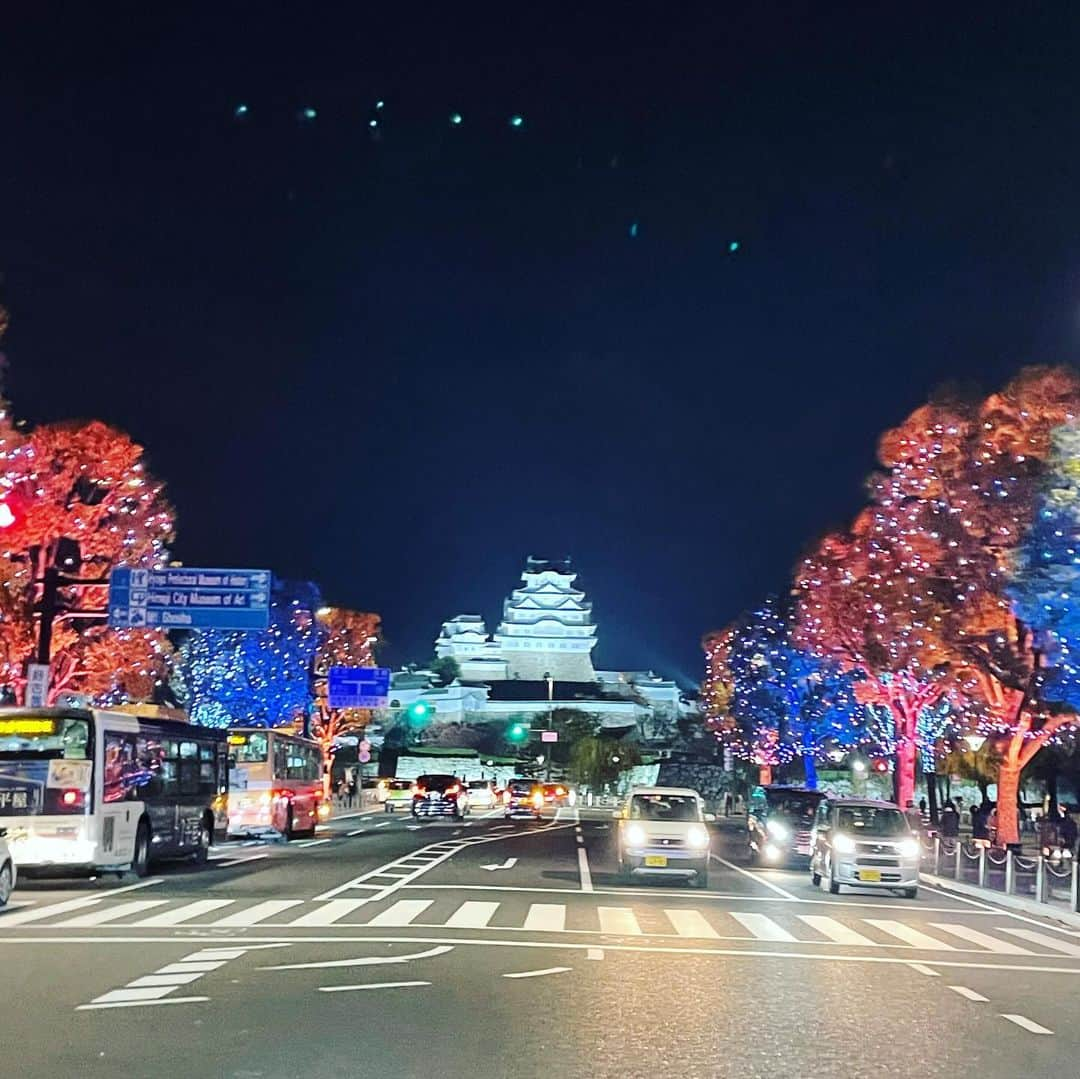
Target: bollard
(982, 867)
(1074, 890)
(957, 867)
(937, 857)
(1040, 880)
(1010, 873)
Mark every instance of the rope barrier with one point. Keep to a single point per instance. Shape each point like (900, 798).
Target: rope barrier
(1025, 864)
(1063, 874)
(997, 861)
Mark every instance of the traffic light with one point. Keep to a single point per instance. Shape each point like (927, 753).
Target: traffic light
(880, 765)
(11, 514)
(517, 732)
(419, 712)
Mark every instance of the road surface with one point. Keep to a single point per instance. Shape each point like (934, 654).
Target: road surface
(486, 948)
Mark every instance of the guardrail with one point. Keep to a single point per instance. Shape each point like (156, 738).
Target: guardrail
(1051, 880)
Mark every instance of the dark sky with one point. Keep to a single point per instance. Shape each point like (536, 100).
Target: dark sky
(400, 365)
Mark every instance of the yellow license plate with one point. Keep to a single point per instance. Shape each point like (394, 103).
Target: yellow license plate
(657, 861)
(870, 875)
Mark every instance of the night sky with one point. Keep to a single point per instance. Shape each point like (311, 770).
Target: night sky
(398, 360)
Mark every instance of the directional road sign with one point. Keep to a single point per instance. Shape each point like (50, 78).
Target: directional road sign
(185, 598)
(359, 687)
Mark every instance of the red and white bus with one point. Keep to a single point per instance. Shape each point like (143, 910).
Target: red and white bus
(275, 783)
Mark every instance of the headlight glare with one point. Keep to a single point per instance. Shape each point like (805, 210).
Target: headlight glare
(843, 844)
(635, 835)
(777, 829)
(697, 837)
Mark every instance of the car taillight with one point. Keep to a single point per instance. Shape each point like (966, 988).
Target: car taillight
(560, 791)
(418, 792)
(453, 790)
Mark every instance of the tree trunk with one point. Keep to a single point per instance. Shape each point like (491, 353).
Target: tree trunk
(1052, 789)
(1008, 817)
(810, 768)
(905, 772)
(765, 775)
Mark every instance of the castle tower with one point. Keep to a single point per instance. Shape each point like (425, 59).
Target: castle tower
(547, 626)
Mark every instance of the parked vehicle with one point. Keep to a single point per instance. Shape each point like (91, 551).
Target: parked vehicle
(397, 794)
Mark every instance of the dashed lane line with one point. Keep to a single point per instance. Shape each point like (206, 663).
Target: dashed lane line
(538, 973)
(370, 985)
(969, 994)
(758, 879)
(1027, 1024)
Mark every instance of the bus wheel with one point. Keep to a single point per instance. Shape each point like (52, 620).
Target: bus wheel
(206, 839)
(140, 862)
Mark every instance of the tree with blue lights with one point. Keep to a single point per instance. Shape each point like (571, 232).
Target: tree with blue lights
(788, 703)
(259, 679)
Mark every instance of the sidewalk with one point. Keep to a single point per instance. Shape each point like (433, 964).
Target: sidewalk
(1016, 881)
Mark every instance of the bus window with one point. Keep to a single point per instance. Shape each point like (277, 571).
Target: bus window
(252, 750)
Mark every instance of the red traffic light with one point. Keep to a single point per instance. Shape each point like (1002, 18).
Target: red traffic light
(881, 765)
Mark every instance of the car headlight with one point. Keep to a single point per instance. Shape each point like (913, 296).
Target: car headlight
(908, 848)
(777, 829)
(697, 837)
(635, 835)
(843, 844)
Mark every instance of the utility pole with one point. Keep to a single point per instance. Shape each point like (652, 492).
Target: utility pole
(550, 719)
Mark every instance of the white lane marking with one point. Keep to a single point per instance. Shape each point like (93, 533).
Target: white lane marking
(690, 923)
(755, 877)
(311, 843)
(834, 930)
(595, 953)
(472, 915)
(184, 913)
(140, 1003)
(508, 864)
(762, 927)
(37, 913)
(370, 985)
(909, 935)
(366, 961)
(539, 973)
(110, 914)
(328, 913)
(1063, 946)
(969, 994)
(358, 831)
(254, 915)
(402, 912)
(619, 920)
(928, 971)
(187, 966)
(549, 917)
(240, 861)
(983, 940)
(166, 979)
(1026, 1023)
(148, 993)
(384, 823)
(583, 870)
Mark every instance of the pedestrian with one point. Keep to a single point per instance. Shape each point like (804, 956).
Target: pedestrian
(950, 821)
(922, 808)
(1049, 835)
(1067, 832)
(350, 791)
(980, 819)
(727, 804)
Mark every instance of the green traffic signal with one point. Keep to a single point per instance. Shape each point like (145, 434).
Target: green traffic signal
(419, 711)
(517, 732)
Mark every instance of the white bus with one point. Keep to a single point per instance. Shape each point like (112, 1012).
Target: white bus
(87, 790)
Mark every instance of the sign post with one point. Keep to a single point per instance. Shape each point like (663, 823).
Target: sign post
(358, 687)
(37, 685)
(183, 598)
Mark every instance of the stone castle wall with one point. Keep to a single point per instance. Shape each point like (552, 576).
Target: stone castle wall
(531, 666)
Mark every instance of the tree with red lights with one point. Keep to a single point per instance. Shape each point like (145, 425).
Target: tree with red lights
(85, 482)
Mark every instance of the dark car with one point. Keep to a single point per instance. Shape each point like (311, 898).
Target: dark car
(440, 796)
(779, 821)
(523, 798)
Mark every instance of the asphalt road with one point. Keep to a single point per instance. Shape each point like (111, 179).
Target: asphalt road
(388, 948)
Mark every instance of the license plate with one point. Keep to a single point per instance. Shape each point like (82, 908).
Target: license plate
(870, 875)
(657, 861)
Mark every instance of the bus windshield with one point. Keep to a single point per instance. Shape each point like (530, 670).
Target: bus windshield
(44, 765)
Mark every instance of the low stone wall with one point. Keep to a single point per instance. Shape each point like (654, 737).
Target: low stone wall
(709, 780)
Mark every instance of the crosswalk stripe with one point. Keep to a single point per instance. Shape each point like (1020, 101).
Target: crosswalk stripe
(185, 913)
(973, 936)
(834, 930)
(257, 913)
(762, 927)
(1044, 939)
(550, 917)
(402, 912)
(618, 920)
(472, 915)
(690, 923)
(329, 912)
(37, 914)
(909, 935)
(110, 914)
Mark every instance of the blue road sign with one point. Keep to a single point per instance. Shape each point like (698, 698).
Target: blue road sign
(186, 598)
(358, 687)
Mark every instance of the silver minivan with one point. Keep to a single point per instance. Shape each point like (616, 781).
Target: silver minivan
(864, 843)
